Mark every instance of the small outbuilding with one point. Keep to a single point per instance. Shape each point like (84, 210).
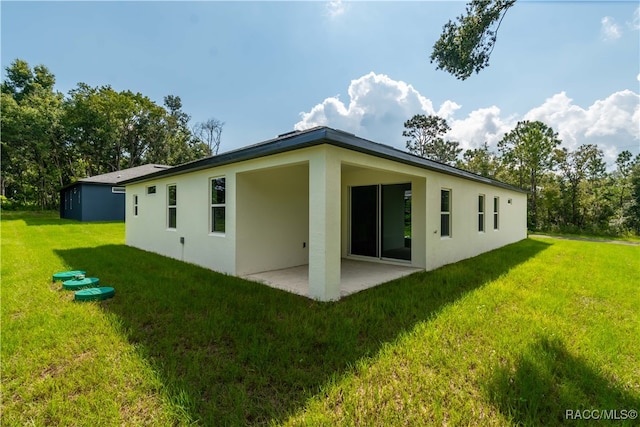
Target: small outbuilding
(321, 212)
(100, 197)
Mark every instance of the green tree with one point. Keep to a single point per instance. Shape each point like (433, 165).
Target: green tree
(115, 130)
(425, 135)
(141, 128)
(583, 172)
(550, 203)
(632, 211)
(32, 136)
(621, 180)
(178, 144)
(48, 141)
(22, 81)
(528, 152)
(14, 154)
(465, 46)
(481, 161)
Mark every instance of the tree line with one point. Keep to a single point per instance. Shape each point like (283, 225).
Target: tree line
(569, 191)
(50, 139)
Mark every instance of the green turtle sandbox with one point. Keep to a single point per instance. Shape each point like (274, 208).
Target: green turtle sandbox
(68, 275)
(77, 284)
(95, 294)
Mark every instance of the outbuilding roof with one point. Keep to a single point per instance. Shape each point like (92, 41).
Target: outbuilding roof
(311, 137)
(117, 177)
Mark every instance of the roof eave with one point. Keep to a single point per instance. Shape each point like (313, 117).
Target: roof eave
(318, 136)
(269, 147)
(80, 182)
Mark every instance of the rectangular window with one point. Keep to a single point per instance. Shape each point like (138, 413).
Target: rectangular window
(445, 213)
(135, 205)
(151, 189)
(481, 213)
(496, 207)
(218, 201)
(172, 206)
(119, 190)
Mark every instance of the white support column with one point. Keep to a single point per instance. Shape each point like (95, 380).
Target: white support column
(324, 225)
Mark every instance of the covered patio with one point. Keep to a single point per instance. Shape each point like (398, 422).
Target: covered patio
(355, 276)
(325, 223)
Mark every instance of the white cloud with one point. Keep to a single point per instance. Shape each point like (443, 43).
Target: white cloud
(335, 8)
(635, 20)
(481, 125)
(611, 123)
(610, 30)
(378, 106)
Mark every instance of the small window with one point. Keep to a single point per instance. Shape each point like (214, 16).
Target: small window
(151, 189)
(135, 205)
(481, 213)
(218, 204)
(119, 190)
(496, 212)
(172, 206)
(445, 213)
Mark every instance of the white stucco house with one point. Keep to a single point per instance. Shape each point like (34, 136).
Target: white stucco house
(314, 199)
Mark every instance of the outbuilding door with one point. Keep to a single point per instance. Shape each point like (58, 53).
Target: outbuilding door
(380, 223)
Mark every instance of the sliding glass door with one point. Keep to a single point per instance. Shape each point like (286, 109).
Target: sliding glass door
(381, 221)
(364, 220)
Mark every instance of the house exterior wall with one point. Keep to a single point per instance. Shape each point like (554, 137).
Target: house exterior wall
(149, 229)
(70, 206)
(99, 203)
(272, 218)
(292, 208)
(429, 250)
(358, 171)
(264, 226)
(92, 202)
(466, 241)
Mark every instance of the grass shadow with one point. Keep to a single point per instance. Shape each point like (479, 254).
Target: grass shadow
(235, 352)
(548, 385)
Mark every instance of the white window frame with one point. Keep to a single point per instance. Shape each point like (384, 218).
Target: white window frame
(448, 213)
(151, 190)
(170, 207)
(496, 213)
(118, 190)
(135, 205)
(482, 225)
(213, 206)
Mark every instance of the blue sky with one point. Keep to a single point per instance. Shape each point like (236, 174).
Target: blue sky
(265, 68)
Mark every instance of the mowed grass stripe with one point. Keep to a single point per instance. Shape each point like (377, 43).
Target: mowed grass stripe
(515, 336)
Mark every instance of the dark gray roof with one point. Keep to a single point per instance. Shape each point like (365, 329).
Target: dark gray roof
(114, 178)
(316, 136)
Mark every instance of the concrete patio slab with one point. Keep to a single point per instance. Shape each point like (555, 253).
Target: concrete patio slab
(355, 276)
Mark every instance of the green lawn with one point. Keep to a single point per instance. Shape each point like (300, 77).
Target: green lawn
(512, 337)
